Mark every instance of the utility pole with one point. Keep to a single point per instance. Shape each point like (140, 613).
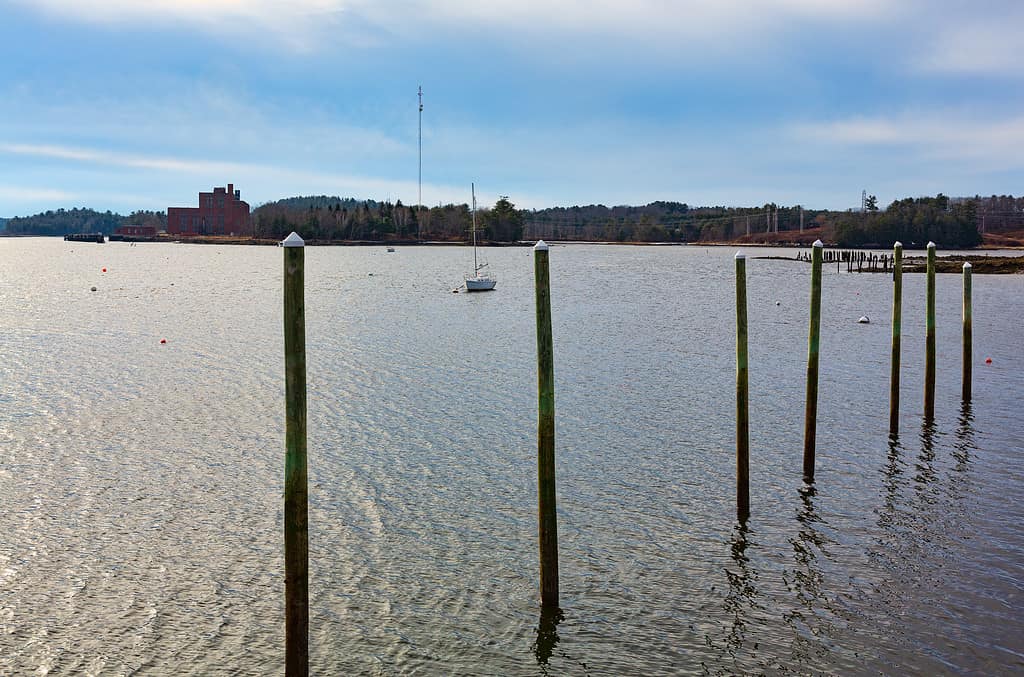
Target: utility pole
(864, 200)
(801, 219)
(419, 198)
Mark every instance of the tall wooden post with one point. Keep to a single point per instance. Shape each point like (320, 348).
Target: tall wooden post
(929, 358)
(811, 410)
(742, 393)
(897, 315)
(547, 518)
(296, 538)
(968, 334)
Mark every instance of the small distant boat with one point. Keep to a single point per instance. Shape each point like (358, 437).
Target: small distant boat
(391, 249)
(479, 280)
(864, 320)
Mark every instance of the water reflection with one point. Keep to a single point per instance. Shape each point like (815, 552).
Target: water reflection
(547, 636)
(742, 596)
(964, 438)
(736, 652)
(926, 460)
(893, 471)
(811, 618)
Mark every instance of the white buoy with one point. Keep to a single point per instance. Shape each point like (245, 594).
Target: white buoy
(864, 320)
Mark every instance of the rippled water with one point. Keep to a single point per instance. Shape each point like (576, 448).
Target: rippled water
(141, 483)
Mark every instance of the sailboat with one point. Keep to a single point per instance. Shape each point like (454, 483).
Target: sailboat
(479, 281)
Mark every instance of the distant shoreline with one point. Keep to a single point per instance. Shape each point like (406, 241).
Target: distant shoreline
(314, 242)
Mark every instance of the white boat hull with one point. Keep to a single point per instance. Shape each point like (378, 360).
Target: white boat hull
(480, 283)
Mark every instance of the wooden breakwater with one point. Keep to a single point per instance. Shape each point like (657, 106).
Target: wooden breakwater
(855, 261)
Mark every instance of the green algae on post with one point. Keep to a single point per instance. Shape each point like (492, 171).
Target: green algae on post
(296, 527)
(811, 409)
(546, 513)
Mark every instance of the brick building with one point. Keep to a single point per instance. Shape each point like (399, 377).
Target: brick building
(221, 212)
(136, 231)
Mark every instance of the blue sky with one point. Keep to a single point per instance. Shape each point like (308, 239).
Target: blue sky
(122, 105)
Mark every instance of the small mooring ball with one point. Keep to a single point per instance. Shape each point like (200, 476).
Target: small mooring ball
(93, 289)
(988, 360)
(162, 341)
(104, 270)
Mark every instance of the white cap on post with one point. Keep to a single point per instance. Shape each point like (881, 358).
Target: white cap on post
(818, 243)
(931, 245)
(898, 244)
(541, 246)
(741, 255)
(967, 265)
(293, 240)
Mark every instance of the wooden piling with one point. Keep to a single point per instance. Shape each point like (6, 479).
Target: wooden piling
(547, 519)
(967, 335)
(811, 410)
(296, 532)
(929, 358)
(742, 393)
(897, 316)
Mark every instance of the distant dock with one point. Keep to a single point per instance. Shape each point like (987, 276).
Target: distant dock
(85, 237)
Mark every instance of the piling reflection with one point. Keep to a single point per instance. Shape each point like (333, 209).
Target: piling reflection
(742, 596)
(892, 471)
(964, 438)
(811, 618)
(547, 636)
(926, 459)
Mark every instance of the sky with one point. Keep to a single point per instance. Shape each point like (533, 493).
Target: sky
(125, 105)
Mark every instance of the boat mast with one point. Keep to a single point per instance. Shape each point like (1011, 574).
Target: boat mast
(472, 190)
(419, 199)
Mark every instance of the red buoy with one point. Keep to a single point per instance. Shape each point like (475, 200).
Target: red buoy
(104, 270)
(988, 360)
(163, 340)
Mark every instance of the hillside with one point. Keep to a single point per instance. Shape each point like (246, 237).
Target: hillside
(80, 220)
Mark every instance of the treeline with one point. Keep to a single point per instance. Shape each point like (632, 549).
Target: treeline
(663, 222)
(912, 221)
(81, 220)
(999, 213)
(950, 222)
(333, 218)
(65, 221)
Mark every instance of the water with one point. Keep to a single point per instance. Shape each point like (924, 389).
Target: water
(141, 483)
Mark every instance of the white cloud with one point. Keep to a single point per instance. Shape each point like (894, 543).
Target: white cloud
(989, 47)
(260, 182)
(304, 23)
(118, 159)
(33, 194)
(294, 22)
(994, 143)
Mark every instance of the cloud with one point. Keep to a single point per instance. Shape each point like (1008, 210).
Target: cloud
(995, 143)
(304, 24)
(295, 22)
(261, 182)
(118, 159)
(33, 194)
(975, 47)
